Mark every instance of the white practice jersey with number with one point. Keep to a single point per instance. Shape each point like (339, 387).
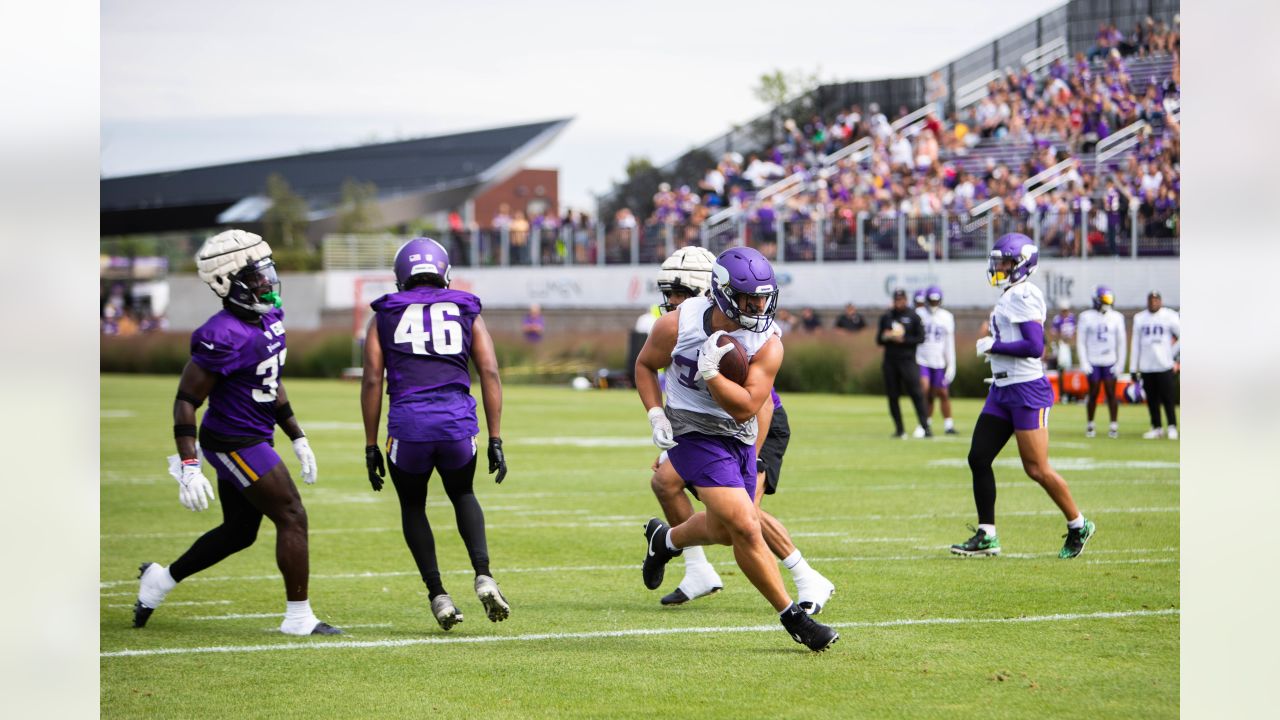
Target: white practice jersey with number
(690, 405)
(1153, 348)
(939, 347)
(1020, 303)
(1100, 338)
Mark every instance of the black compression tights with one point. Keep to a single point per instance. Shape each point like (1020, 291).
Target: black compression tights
(989, 437)
(411, 488)
(239, 528)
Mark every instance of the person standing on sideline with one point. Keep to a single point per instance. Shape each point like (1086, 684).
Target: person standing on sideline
(708, 426)
(424, 336)
(533, 324)
(1062, 335)
(936, 357)
(1019, 401)
(1100, 343)
(1153, 353)
(236, 359)
(684, 275)
(900, 332)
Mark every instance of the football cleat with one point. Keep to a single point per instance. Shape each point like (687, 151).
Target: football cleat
(495, 605)
(813, 591)
(899, 436)
(324, 628)
(445, 612)
(1173, 432)
(699, 581)
(1113, 433)
(1076, 538)
(679, 597)
(979, 544)
(1089, 431)
(952, 431)
(1153, 434)
(807, 631)
(918, 432)
(657, 555)
(150, 593)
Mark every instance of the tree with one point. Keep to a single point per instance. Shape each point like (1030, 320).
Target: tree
(358, 209)
(285, 222)
(636, 192)
(778, 89)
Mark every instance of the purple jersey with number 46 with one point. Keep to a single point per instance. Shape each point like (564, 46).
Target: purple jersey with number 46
(425, 334)
(249, 357)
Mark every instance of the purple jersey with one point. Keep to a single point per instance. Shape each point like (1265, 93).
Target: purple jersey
(1065, 326)
(426, 334)
(773, 395)
(249, 356)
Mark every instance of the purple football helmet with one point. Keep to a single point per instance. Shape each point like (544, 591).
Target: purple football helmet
(1103, 297)
(933, 294)
(1021, 250)
(739, 272)
(419, 256)
(917, 297)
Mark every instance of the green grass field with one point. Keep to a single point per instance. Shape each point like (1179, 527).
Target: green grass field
(923, 633)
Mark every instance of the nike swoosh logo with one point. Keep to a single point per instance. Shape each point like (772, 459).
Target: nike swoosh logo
(651, 544)
(208, 345)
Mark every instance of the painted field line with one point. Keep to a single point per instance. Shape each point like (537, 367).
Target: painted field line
(638, 632)
(613, 521)
(1131, 560)
(184, 602)
(592, 568)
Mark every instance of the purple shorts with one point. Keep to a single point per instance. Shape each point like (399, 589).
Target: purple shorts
(937, 377)
(1102, 372)
(714, 461)
(420, 458)
(244, 466)
(1025, 404)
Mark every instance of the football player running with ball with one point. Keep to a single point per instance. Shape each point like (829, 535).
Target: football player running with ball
(708, 426)
(423, 336)
(1019, 401)
(236, 360)
(687, 274)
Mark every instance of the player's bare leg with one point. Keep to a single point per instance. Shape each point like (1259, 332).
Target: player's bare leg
(700, 578)
(813, 590)
(277, 497)
(734, 518)
(1033, 447)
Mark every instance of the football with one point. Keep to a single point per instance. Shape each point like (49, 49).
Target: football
(734, 363)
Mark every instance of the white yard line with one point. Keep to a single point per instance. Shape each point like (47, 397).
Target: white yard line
(183, 602)
(637, 632)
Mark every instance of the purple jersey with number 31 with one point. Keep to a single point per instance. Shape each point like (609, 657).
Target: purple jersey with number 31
(426, 334)
(249, 357)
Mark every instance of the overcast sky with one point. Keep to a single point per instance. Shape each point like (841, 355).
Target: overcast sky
(189, 83)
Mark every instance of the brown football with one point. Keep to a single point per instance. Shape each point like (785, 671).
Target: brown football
(733, 365)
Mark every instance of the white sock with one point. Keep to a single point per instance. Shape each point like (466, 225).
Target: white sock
(669, 544)
(1077, 523)
(796, 563)
(948, 424)
(1089, 425)
(155, 585)
(694, 555)
(297, 610)
(1115, 426)
(990, 530)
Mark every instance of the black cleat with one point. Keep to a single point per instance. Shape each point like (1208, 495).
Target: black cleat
(807, 631)
(679, 597)
(656, 555)
(952, 431)
(324, 628)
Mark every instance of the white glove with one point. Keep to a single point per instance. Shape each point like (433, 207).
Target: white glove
(306, 458)
(709, 356)
(663, 436)
(194, 489)
(950, 374)
(1086, 368)
(984, 345)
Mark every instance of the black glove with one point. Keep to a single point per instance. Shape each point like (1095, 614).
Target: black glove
(497, 461)
(373, 462)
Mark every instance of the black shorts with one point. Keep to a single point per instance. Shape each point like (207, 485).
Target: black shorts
(774, 447)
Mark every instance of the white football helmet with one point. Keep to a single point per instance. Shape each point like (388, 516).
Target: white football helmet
(687, 271)
(237, 266)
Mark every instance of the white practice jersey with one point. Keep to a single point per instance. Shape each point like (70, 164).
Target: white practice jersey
(690, 406)
(939, 347)
(1021, 302)
(1100, 338)
(1153, 348)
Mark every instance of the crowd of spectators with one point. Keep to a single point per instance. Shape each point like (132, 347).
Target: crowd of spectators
(1060, 113)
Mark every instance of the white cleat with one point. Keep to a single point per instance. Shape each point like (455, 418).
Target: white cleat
(1153, 434)
(1089, 431)
(918, 432)
(813, 591)
(1173, 432)
(698, 582)
(495, 605)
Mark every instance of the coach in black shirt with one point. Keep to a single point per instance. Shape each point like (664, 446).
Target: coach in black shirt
(900, 332)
